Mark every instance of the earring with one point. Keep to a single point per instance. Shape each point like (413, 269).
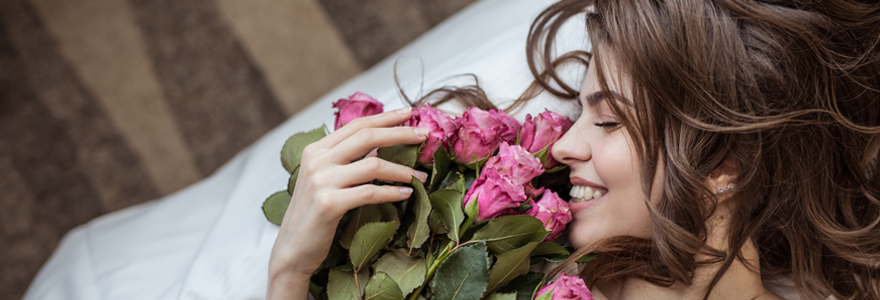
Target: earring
(720, 190)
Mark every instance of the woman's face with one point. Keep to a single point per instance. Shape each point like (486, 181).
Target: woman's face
(607, 198)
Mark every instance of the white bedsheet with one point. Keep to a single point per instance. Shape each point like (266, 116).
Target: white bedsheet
(211, 240)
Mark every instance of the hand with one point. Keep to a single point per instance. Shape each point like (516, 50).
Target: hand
(329, 184)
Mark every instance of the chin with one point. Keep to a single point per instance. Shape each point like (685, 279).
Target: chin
(579, 237)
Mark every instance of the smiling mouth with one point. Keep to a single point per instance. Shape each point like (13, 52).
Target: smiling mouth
(580, 194)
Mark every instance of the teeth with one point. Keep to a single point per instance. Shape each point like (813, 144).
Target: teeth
(578, 191)
(581, 193)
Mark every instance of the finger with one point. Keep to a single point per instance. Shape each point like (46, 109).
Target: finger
(385, 119)
(362, 142)
(371, 168)
(373, 194)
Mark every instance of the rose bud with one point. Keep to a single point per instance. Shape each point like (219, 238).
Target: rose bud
(495, 195)
(542, 131)
(566, 287)
(440, 126)
(356, 106)
(553, 212)
(477, 136)
(510, 127)
(515, 163)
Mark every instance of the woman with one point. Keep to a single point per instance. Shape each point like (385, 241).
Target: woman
(731, 143)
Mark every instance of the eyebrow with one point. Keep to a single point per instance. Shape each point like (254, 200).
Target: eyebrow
(596, 97)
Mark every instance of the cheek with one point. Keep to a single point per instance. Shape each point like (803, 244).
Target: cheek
(615, 163)
(622, 211)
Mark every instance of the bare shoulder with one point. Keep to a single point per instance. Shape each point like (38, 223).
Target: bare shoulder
(768, 296)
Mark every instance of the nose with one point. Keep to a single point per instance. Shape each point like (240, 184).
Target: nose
(573, 146)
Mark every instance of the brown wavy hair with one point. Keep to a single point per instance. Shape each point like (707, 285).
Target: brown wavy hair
(789, 89)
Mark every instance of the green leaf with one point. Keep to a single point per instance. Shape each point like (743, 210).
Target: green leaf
(469, 178)
(318, 292)
(440, 169)
(464, 274)
(543, 154)
(429, 258)
(342, 285)
(318, 282)
(556, 169)
(586, 258)
(551, 250)
(408, 272)
(454, 180)
(500, 296)
(407, 217)
(472, 208)
(418, 231)
(510, 232)
(477, 165)
(523, 208)
(390, 214)
(382, 287)
(291, 153)
(368, 240)
(335, 257)
(546, 295)
(406, 155)
(291, 182)
(275, 206)
(435, 225)
(357, 218)
(510, 265)
(524, 286)
(447, 205)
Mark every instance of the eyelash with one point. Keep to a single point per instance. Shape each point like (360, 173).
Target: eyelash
(606, 124)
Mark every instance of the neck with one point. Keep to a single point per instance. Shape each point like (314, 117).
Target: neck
(739, 281)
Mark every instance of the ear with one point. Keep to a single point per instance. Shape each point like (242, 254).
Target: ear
(722, 180)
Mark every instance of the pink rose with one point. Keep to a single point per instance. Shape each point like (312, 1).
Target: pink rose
(553, 212)
(495, 195)
(440, 124)
(543, 131)
(566, 288)
(480, 133)
(515, 163)
(510, 126)
(532, 191)
(356, 106)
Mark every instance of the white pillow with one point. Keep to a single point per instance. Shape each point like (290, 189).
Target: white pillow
(211, 240)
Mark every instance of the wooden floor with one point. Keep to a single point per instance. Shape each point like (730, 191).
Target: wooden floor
(109, 103)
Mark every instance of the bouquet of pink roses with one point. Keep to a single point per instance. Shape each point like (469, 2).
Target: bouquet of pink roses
(488, 211)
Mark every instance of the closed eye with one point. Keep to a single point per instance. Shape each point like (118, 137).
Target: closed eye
(606, 124)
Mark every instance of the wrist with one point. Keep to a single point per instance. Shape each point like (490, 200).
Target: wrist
(288, 284)
(285, 265)
(289, 274)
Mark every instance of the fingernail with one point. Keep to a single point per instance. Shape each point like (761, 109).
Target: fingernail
(423, 132)
(404, 110)
(422, 176)
(406, 191)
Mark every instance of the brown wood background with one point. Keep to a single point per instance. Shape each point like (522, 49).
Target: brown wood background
(109, 103)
